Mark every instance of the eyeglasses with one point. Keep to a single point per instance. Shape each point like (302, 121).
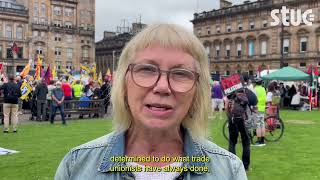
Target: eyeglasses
(147, 75)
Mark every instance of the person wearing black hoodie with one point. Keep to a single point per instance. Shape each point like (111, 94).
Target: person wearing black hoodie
(12, 93)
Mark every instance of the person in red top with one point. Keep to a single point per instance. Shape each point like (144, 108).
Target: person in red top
(67, 91)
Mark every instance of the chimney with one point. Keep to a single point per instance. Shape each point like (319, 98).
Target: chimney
(225, 4)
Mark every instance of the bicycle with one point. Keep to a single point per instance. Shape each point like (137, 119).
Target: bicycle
(274, 128)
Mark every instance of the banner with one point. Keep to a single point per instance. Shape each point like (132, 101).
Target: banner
(25, 90)
(231, 84)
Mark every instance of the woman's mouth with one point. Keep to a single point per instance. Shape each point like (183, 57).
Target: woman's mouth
(159, 110)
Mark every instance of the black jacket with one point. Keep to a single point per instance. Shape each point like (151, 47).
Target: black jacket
(11, 92)
(41, 91)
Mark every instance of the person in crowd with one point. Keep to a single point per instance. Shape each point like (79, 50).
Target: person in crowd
(261, 95)
(292, 92)
(77, 90)
(51, 87)
(88, 89)
(12, 93)
(67, 91)
(41, 96)
(217, 98)
(96, 95)
(84, 102)
(57, 103)
(105, 94)
(296, 102)
(239, 107)
(161, 99)
(283, 92)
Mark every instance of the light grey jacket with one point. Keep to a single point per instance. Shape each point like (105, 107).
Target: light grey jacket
(92, 160)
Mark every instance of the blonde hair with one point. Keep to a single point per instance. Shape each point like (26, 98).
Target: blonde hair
(168, 36)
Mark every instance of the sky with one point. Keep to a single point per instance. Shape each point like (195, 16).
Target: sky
(110, 14)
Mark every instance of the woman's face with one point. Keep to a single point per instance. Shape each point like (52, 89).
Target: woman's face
(158, 106)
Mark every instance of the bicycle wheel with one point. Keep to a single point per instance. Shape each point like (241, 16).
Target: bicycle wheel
(274, 128)
(225, 130)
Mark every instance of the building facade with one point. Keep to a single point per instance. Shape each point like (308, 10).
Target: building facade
(13, 28)
(60, 31)
(239, 38)
(108, 50)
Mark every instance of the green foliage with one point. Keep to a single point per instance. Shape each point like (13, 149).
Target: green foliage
(42, 146)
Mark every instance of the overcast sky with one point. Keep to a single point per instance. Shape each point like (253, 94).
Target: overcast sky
(110, 14)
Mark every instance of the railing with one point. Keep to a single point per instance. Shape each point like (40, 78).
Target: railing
(15, 11)
(86, 32)
(90, 107)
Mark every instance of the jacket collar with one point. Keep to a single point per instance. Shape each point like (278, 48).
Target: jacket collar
(116, 147)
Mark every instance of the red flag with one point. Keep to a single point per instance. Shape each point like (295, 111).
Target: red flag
(1, 65)
(316, 72)
(15, 48)
(309, 69)
(48, 76)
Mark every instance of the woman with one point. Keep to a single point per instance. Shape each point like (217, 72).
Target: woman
(160, 99)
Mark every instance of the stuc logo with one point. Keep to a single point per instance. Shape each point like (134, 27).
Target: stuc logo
(296, 17)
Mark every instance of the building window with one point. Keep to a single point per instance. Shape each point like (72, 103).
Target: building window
(35, 20)
(229, 28)
(68, 24)
(43, 34)
(69, 65)
(85, 53)
(9, 31)
(218, 29)
(251, 73)
(227, 73)
(57, 51)
(251, 25)
(36, 9)
(43, 9)
(68, 12)
(240, 27)
(9, 53)
(39, 51)
(57, 23)
(58, 64)
(263, 48)
(19, 33)
(286, 44)
(0, 52)
(251, 48)
(69, 38)
(264, 23)
(57, 37)
(303, 65)
(218, 51)
(20, 53)
(228, 51)
(35, 33)
(57, 11)
(208, 30)
(43, 21)
(318, 63)
(239, 49)
(69, 53)
(303, 44)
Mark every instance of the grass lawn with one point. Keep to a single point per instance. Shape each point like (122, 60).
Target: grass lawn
(42, 146)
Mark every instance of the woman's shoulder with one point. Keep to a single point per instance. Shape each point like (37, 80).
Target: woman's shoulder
(102, 141)
(213, 149)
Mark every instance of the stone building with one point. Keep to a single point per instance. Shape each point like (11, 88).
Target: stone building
(13, 28)
(60, 31)
(240, 38)
(108, 49)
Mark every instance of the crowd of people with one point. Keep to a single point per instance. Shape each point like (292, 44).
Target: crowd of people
(45, 97)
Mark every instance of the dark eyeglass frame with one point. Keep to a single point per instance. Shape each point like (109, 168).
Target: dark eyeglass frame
(131, 66)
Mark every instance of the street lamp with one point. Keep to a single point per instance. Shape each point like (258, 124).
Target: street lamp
(113, 56)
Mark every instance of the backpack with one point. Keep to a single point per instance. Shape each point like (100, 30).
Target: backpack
(12, 93)
(238, 106)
